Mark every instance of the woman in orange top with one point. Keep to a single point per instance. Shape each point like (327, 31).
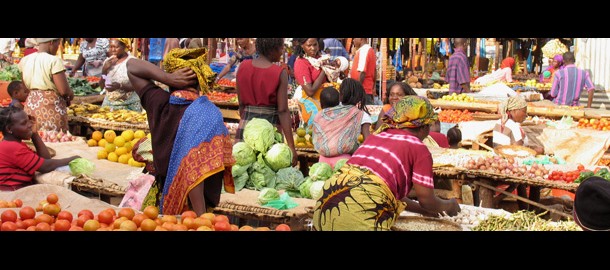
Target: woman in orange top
(397, 90)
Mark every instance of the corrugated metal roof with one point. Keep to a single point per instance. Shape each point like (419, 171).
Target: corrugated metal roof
(593, 55)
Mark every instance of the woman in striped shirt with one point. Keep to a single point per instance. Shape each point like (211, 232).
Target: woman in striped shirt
(370, 190)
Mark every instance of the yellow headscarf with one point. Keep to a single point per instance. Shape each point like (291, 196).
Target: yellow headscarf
(126, 41)
(512, 103)
(409, 112)
(194, 59)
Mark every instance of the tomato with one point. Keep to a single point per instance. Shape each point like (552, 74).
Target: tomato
(222, 226)
(283, 227)
(86, 212)
(105, 217)
(581, 167)
(65, 215)
(52, 198)
(27, 212)
(62, 225)
(8, 215)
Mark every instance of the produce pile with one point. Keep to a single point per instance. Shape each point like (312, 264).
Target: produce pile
(105, 113)
(461, 97)
(524, 221)
(5, 102)
(216, 96)
(263, 163)
(117, 148)
(10, 73)
(82, 87)
(56, 136)
(454, 116)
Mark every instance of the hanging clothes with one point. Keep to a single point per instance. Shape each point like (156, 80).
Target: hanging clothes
(482, 53)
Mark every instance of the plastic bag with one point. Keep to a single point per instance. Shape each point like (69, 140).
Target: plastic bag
(285, 202)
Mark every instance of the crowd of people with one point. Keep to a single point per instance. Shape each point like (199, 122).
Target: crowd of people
(391, 159)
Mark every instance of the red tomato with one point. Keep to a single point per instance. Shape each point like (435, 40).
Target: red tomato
(581, 167)
(283, 227)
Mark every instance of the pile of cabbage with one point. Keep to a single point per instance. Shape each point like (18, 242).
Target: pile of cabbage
(260, 156)
(263, 162)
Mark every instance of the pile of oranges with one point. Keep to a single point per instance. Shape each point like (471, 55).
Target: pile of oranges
(117, 148)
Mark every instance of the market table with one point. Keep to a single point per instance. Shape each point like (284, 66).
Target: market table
(110, 179)
(244, 205)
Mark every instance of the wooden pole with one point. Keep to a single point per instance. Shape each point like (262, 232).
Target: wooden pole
(523, 199)
(384, 65)
(211, 50)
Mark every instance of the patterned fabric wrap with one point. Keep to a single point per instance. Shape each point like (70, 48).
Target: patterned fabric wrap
(49, 109)
(201, 149)
(512, 103)
(251, 112)
(508, 62)
(310, 106)
(336, 130)
(124, 101)
(356, 199)
(126, 42)
(194, 59)
(409, 112)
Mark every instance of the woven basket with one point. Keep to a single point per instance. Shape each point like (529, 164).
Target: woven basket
(105, 124)
(485, 116)
(86, 183)
(519, 180)
(415, 223)
(503, 150)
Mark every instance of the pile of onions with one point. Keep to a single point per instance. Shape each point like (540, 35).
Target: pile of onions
(56, 136)
(508, 166)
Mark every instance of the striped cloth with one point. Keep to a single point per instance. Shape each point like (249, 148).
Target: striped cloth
(568, 83)
(398, 158)
(458, 71)
(251, 112)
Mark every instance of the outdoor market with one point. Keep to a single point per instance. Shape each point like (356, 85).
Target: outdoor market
(304, 134)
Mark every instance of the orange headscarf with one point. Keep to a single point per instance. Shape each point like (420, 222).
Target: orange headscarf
(508, 62)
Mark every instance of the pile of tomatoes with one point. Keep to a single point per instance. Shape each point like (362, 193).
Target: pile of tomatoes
(454, 116)
(5, 102)
(566, 176)
(599, 124)
(226, 82)
(216, 96)
(92, 79)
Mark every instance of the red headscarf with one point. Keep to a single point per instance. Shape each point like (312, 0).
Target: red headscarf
(508, 62)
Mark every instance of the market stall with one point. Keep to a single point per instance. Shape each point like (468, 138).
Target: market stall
(110, 179)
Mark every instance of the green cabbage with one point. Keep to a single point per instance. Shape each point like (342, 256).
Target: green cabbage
(316, 189)
(243, 153)
(304, 187)
(320, 171)
(81, 166)
(279, 138)
(340, 164)
(279, 156)
(267, 195)
(289, 179)
(259, 134)
(240, 181)
(238, 170)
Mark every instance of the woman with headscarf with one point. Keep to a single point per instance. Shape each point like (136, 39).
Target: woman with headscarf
(246, 50)
(370, 190)
(93, 52)
(120, 93)
(310, 77)
(192, 150)
(556, 63)
(45, 75)
(503, 74)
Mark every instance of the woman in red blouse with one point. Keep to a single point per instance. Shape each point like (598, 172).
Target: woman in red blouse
(262, 87)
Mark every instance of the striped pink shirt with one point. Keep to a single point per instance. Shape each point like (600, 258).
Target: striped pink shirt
(568, 83)
(397, 157)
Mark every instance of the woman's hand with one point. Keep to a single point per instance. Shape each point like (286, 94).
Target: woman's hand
(182, 78)
(113, 86)
(295, 157)
(454, 208)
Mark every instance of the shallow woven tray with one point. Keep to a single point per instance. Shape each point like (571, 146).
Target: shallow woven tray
(485, 116)
(446, 171)
(105, 124)
(297, 222)
(500, 150)
(526, 181)
(426, 223)
(86, 183)
(78, 119)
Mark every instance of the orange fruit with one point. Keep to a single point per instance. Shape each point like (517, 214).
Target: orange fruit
(91, 142)
(109, 135)
(102, 143)
(97, 135)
